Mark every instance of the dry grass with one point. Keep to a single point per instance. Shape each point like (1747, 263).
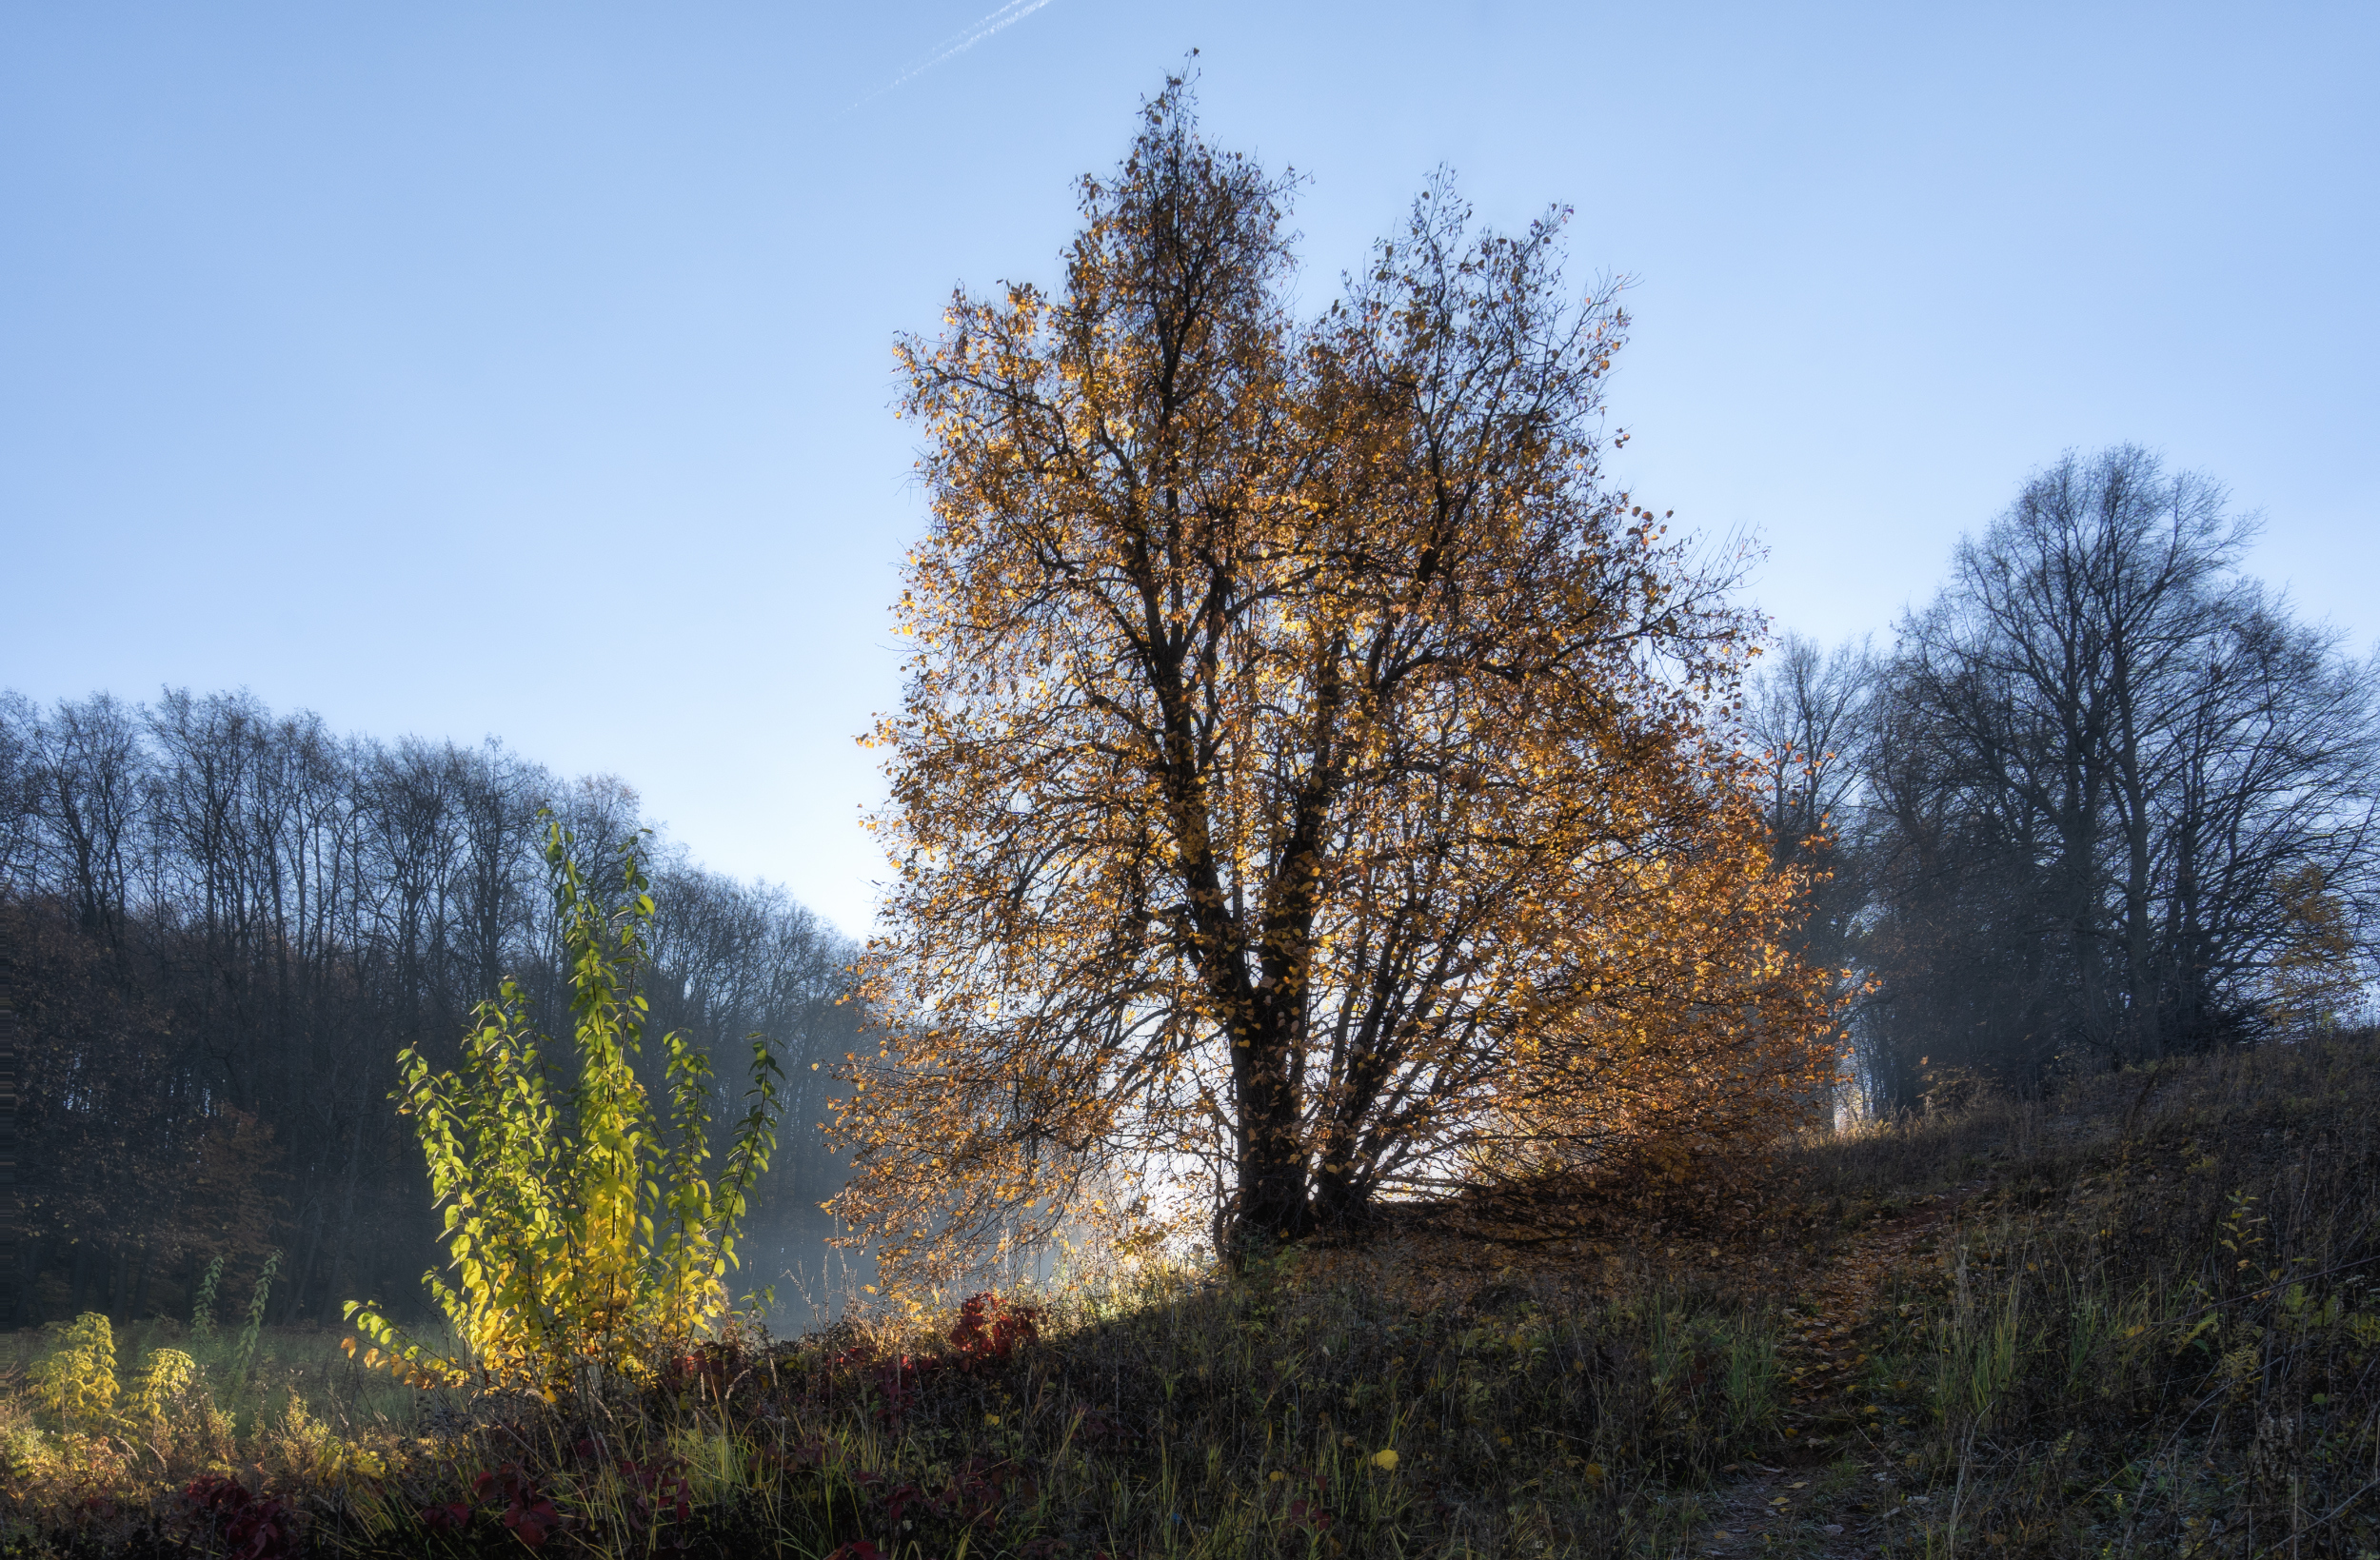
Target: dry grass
(2142, 1321)
(2131, 1320)
(1327, 1404)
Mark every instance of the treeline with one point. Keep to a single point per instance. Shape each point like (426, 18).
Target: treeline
(220, 926)
(2106, 799)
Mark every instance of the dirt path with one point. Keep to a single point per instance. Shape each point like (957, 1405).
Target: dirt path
(1841, 1461)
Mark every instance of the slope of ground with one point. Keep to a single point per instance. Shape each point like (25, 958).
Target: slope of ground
(2136, 1318)
(2131, 1320)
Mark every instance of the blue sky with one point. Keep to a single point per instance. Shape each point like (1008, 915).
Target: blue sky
(525, 368)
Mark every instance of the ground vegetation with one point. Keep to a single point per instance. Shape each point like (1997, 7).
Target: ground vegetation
(2133, 1318)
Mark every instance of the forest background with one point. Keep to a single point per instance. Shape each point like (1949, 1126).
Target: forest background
(223, 926)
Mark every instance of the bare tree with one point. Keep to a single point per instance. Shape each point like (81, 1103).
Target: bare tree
(1808, 712)
(1805, 709)
(2098, 755)
(92, 776)
(497, 802)
(2268, 792)
(20, 788)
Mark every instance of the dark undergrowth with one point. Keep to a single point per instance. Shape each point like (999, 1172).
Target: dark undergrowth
(2146, 1322)
(2134, 1320)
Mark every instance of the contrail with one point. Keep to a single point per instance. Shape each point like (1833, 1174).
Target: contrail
(959, 42)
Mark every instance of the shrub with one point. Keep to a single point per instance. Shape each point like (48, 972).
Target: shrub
(166, 1377)
(78, 1381)
(582, 1230)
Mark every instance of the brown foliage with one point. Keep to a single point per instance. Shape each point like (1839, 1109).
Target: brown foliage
(1304, 791)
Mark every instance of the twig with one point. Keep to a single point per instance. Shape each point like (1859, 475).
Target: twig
(2335, 1511)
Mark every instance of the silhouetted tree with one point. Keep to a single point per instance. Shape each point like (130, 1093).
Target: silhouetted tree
(2098, 761)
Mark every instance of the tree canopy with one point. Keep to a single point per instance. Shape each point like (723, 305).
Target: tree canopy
(1307, 788)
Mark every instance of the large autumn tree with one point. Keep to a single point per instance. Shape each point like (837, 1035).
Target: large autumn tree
(1307, 788)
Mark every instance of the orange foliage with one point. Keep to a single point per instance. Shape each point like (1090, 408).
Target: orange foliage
(1304, 792)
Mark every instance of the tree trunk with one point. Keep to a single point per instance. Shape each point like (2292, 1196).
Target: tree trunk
(1271, 1204)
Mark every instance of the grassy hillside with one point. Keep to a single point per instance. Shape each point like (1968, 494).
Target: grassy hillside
(2133, 1319)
